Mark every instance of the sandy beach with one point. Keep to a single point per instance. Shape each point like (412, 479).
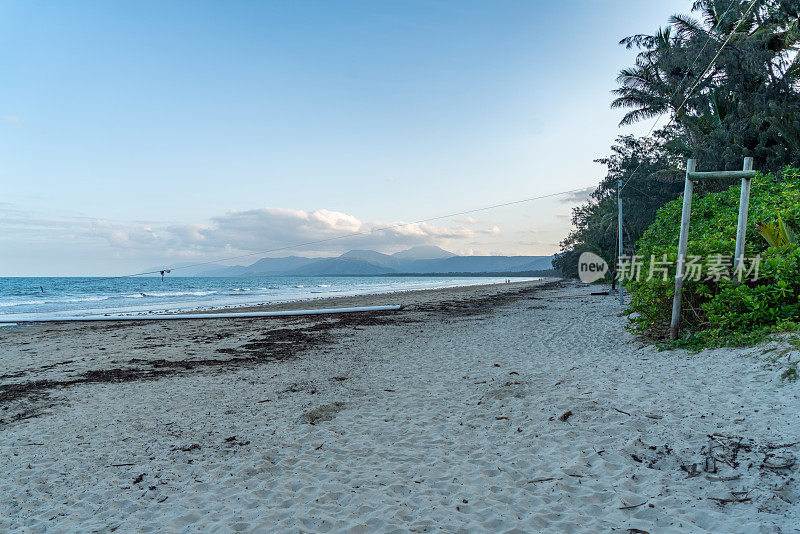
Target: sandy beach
(519, 407)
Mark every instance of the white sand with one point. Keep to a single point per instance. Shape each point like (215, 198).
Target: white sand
(448, 423)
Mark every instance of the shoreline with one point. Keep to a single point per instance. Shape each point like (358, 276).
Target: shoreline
(482, 408)
(401, 297)
(280, 305)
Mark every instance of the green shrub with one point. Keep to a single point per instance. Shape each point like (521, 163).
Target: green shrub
(722, 312)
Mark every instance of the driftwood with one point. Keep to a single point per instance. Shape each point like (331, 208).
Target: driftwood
(723, 479)
(732, 500)
(632, 506)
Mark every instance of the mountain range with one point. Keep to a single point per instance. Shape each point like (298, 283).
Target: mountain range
(416, 260)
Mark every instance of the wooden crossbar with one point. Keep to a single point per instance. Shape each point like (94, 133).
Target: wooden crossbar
(721, 175)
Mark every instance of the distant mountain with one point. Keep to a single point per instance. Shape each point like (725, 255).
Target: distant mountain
(480, 264)
(369, 256)
(273, 266)
(416, 260)
(341, 266)
(424, 252)
(541, 263)
(263, 267)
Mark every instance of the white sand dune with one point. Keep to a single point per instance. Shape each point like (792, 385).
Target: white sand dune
(448, 418)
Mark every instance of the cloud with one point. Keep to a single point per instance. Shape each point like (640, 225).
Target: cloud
(577, 197)
(251, 231)
(121, 236)
(82, 245)
(317, 232)
(266, 228)
(324, 230)
(191, 234)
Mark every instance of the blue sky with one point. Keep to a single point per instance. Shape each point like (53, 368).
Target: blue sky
(143, 133)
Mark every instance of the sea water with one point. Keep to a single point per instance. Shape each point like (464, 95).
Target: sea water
(30, 298)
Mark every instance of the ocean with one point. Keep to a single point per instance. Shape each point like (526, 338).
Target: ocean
(30, 298)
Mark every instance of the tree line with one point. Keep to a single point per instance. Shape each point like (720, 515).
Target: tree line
(746, 104)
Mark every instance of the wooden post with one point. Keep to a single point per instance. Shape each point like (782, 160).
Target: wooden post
(744, 204)
(619, 228)
(688, 188)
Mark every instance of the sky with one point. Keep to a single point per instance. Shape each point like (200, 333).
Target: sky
(142, 134)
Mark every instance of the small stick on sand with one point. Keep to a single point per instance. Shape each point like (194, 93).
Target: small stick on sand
(633, 506)
(768, 446)
(729, 500)
(723, 479)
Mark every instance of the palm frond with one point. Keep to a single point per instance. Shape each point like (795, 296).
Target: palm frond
(770, 233)
(637, 41)
(687, 27)
(639, 114)
(788, 233)
(777, 235)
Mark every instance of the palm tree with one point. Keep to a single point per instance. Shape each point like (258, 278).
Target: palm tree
(742, 103)
(653, 85)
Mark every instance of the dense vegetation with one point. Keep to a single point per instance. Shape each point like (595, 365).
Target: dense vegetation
(747, 104)
(719, 309)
